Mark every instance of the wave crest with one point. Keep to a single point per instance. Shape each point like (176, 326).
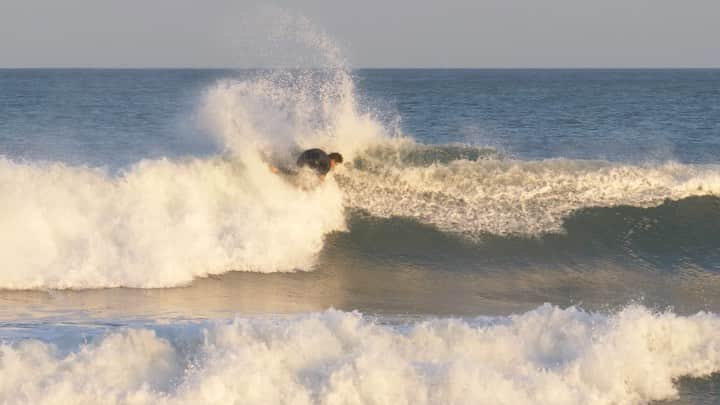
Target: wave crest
(159, 224)
(479, 192)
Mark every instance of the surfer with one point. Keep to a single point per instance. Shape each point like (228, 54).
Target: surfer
(317, 160)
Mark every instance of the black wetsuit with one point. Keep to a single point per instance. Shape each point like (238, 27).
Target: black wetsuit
(315, 159)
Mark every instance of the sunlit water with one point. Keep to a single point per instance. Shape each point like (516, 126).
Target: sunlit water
(506, 236)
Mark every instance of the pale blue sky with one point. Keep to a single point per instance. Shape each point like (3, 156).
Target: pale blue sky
(371, 33)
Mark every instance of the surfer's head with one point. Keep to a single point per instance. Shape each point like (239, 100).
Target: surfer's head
(335, 158)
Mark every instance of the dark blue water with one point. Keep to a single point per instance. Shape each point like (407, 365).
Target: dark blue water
(626, 115)
(100, 117)
(115, 117)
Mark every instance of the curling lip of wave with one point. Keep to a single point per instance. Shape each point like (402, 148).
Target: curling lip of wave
(500, 196)
(563, 356)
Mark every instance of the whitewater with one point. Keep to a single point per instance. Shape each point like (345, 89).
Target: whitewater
(548, 355)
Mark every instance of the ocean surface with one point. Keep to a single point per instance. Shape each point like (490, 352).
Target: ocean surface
(494, 236)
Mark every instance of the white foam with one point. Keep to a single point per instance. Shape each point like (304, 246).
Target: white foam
(508, 196)
(547, 355)
(161, 223)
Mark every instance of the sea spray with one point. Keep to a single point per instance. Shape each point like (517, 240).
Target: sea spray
(282, 112)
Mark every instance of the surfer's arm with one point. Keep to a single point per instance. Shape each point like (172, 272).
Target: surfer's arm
(282, 170)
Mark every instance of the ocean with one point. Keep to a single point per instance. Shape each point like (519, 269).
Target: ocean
(510, 236)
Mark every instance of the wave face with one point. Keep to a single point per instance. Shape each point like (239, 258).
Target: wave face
(547, 355)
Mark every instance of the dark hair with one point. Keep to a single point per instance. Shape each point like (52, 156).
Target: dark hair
(336, 157)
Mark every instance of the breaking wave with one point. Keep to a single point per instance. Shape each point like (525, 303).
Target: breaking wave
(547, 355)
(162, 223)
(478, 191)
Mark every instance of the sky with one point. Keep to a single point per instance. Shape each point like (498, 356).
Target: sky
(367, 33)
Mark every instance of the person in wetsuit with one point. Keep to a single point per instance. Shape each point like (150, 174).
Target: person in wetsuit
(319, 161)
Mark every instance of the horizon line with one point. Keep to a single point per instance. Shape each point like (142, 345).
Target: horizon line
(362, 68)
